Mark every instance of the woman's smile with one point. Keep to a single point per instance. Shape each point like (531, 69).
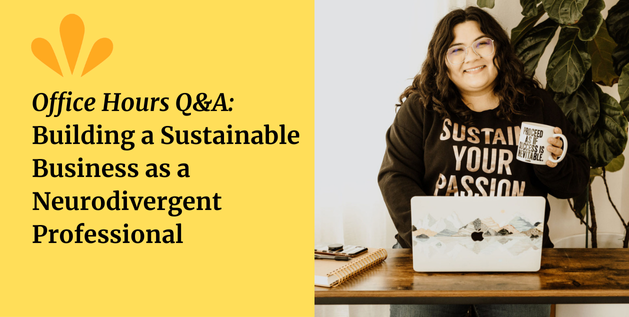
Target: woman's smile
(475, 69)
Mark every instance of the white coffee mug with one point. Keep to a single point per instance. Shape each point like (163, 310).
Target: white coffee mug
(533, 143)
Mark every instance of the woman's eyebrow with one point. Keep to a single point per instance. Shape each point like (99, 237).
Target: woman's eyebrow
(455, 44)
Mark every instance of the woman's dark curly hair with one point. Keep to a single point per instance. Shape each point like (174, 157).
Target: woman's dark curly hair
(513, 86)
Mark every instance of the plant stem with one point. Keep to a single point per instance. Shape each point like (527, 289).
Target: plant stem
(594, 227)
(578, 215)
(624, 224)
(625, 242)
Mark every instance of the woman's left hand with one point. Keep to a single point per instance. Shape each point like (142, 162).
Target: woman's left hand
(554, 148)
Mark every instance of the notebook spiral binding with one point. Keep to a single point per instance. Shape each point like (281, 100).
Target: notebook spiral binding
(357, 267)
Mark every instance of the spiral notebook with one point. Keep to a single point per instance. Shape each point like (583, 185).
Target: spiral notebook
(330, 273)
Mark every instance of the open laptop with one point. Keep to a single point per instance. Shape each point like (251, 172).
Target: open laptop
(477, 234)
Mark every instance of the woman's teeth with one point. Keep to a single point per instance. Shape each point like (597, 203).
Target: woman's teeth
(474, 69)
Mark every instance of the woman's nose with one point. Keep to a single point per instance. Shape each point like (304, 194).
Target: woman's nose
(470, 54)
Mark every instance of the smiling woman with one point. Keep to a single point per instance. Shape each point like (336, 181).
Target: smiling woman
(472, 88)
(458, 87)
(473, 71)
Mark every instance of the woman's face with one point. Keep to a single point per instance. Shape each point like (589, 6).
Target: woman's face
(475, 74)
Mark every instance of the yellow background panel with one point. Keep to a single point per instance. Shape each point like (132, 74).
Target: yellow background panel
(252, 257)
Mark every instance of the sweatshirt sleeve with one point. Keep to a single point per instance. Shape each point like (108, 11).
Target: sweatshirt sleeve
(570, 177)
(402, 169)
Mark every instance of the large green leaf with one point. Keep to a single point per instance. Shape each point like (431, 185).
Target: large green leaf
(591, 21)
(618, 22)
(525, 26)
(531, 47)
(620, 57)
(565, 11)
(568, 63)
(618, 27)
(486, 3)
(601, 51)
(609, 136)
(581, 108)
(529, 7)
(623, 90)
(616, 164)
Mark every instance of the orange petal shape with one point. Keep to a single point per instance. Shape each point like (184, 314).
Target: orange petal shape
(100, 51)
(44, 52)
(72, 30)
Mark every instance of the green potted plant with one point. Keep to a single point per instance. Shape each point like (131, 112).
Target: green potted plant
(590, 51)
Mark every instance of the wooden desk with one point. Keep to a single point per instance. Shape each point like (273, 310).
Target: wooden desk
(566, 276)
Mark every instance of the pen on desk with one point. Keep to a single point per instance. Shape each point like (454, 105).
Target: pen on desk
(332, 257)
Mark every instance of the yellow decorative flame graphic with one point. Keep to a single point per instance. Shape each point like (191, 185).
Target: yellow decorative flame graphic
(72, 30)
(43, 51)
(100, 51)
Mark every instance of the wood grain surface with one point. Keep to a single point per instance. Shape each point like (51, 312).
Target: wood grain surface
(566, 276)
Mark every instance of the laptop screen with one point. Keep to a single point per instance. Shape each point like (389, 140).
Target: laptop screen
(477, 233)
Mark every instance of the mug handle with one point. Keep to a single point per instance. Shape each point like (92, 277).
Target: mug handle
(565, 148)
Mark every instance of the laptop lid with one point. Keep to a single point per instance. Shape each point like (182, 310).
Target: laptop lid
(477, 234)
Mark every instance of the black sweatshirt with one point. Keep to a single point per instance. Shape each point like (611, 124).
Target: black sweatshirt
(426, 155)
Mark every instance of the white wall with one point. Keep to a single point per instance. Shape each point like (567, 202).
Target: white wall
(366, 53)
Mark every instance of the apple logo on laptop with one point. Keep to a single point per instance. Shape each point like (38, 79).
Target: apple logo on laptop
(477, 236)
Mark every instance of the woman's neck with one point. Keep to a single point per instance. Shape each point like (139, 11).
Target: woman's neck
(480, 102)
